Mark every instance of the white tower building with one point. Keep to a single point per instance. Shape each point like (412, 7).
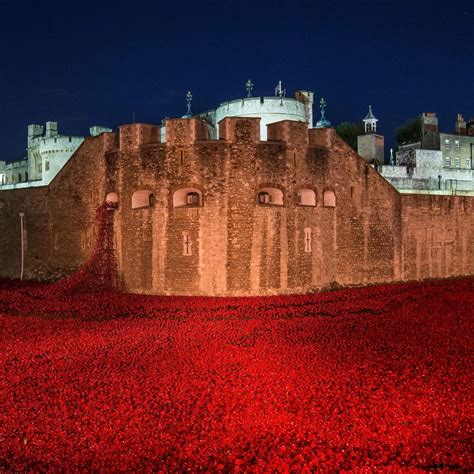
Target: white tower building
(370, 122)
(268, 109)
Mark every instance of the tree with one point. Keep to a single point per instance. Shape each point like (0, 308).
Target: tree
(409, 132)
(349, 131)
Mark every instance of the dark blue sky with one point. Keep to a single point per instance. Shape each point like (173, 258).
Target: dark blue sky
(99, 62)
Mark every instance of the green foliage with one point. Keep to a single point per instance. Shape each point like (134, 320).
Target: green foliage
(349, 131)
(409, 132)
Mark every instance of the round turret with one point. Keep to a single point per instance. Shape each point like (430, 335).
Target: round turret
(269, 109)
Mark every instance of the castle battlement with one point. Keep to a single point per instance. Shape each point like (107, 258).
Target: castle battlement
(185, 132)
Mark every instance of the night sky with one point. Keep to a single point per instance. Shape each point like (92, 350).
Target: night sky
(103, 61)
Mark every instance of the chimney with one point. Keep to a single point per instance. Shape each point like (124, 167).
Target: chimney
(429, 123)
(429, 131)
(460, 126)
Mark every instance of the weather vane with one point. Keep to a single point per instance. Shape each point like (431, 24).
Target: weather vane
(249, 87)
(280, 92)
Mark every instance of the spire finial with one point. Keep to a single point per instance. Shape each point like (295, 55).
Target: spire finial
(323, 122)
(249, 87)
(279, 91)
(189, 99)
(370, 122)
(322, 106)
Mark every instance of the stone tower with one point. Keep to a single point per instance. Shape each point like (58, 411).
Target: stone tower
(370, 146)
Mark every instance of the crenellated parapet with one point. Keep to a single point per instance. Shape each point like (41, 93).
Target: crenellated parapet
(322, 138)
(133, 136)
(188, 131)
(184, 132)
(288, 131)
(237, 129)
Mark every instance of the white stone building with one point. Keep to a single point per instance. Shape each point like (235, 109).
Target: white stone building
(269, 109)
(47, 153)
(3, 172)
(439, 163)
(14, 172)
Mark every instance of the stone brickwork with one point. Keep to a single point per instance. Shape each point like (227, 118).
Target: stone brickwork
(59, 219)
(437, 236)
(236, 216)
(371, 148)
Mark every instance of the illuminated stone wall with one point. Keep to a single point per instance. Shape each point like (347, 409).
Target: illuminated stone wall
(353, 228)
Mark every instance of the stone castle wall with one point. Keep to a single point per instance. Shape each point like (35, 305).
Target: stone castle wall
(232, 244)
(59, 219)
(438, 236)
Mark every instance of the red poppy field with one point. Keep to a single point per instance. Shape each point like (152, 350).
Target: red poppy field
(354, 379)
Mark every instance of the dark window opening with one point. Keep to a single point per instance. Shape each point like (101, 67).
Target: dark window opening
(192, 198)
(264, 198)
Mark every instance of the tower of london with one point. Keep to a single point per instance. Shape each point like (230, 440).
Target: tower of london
(254, 202)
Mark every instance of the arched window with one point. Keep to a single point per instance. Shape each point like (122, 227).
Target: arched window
(112, 197)
(306, 197)
(329, 199)
(142, 198)
(112, 200)
(19, 178)
(272, 196)
(187, 197)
